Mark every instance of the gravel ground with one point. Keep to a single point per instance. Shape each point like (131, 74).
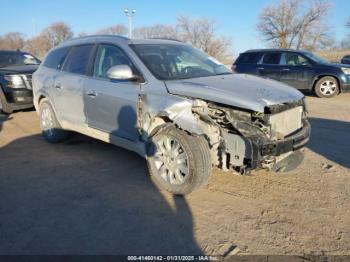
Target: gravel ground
(88, 197)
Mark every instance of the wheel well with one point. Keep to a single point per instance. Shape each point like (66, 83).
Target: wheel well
(41, 97)
(321, 76)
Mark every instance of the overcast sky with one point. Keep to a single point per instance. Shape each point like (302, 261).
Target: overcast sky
(235, 19)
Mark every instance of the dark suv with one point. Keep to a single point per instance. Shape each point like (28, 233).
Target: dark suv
(300, 69)
(16, 69)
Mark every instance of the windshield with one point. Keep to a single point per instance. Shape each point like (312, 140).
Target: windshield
(170, 62)
(316, 58)
(17, 59)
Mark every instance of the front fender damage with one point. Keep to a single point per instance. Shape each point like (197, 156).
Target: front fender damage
(190, 116)
(237, 138)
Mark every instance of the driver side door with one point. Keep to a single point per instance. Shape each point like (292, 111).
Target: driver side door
(110, 105)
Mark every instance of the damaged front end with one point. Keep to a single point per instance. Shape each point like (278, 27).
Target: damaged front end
(239, 139)
(244, 140)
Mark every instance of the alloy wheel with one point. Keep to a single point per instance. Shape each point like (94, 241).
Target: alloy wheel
(47, 122)
(171, 160)
(328, 87)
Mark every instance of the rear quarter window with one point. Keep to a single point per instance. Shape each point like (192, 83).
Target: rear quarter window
(56, 57)
(248, 58)
(78, 59)
(272, 58)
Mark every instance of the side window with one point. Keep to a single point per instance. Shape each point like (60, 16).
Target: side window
(56, 57)
(249, 58)
(293, 59)
(78, 59)
(108, 56)
(272, 58)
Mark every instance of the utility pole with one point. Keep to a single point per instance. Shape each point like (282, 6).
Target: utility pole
(130, 15)
(34, 26)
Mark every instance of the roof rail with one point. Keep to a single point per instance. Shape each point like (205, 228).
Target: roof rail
(97, 36)
(165, 38)
(272, 50)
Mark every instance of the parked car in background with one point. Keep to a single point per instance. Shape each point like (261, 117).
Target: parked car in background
(346, 60)
(16, 69)
(300, 69)
(171, 103)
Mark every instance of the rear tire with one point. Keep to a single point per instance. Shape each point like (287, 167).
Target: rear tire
(327, 87)
(177, 161)
(51, 129)
(4, 105)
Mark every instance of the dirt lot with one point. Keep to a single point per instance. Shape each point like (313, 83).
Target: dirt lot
(88, 197)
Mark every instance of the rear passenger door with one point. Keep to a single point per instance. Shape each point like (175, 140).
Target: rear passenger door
(296, 71)
(110, 105)
(49, 72)
(269, 66)
(70, 83)
(247, 63)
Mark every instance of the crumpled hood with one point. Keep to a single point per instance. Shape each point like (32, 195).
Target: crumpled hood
(238, 90)
(24, 69)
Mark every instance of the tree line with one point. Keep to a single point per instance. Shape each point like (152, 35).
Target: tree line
(299, 24)
(202, 33)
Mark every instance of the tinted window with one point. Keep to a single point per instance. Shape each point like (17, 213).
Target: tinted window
(293, 59)
(249, 58)
(78, 59)
(56, 57)
(108, 56)
(272, 58)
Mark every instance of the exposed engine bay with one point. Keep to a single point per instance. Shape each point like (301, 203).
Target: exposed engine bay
(245, 140)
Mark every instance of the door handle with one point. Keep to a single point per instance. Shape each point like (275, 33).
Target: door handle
(91, 94)
(286, 69)
(58, 86)
(261, 68)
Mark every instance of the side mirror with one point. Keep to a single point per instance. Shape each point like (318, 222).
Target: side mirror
(120, 72)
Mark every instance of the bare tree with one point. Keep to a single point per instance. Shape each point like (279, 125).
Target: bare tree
(291, 22)
(319, 37)
(56, 33)
(12, 41)
(50, 37)
(202, 34)
(37, 46)
(345, 43)
(156, 31)
(113, 30)
(316, 14)
(277, 24)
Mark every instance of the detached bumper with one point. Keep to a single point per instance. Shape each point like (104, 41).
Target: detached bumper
(290, 143)
(261, 149)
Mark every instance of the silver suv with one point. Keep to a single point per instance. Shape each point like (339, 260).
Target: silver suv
(178, 107)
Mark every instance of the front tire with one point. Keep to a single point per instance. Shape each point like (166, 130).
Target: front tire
(51, 129)
(177, 161)
(327, 87)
